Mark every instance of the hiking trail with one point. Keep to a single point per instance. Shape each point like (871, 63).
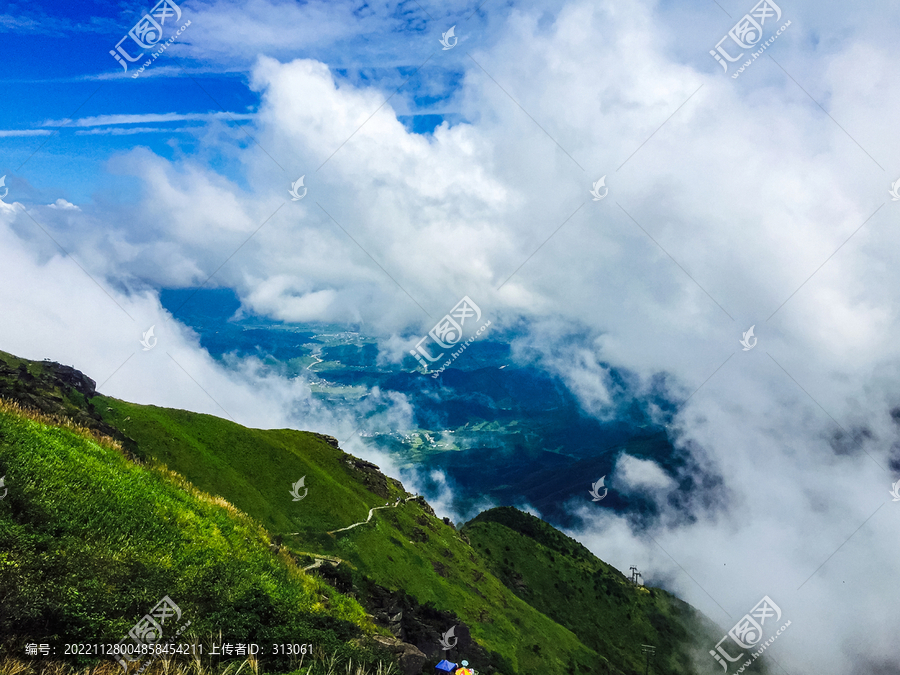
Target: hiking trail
(371, 511)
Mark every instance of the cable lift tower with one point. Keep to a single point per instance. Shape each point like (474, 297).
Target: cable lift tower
(635, 576)
(649, 650)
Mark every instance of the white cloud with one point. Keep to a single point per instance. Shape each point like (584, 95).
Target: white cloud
(146, 118)
(9, 133)
(228, 32)
(128, 131)
(641, 475)
(63, 205)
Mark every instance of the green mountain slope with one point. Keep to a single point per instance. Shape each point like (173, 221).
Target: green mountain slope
(399, 570)
(405, 550)
(92, 541)
(406, 547)
(561, 578)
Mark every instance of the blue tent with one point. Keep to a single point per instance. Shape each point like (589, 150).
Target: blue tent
(445, 666)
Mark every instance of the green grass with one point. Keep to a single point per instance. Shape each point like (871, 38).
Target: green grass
(399, 551)
(91, 541)
(557, 575)
(254, 470)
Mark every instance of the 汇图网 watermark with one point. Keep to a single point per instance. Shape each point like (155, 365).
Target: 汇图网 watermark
(147, 33)
(747, 34)
(748, 340)
(446, 637)
(295, 186)
(295, 489)
(148, 632)
(447, 333)
(447, 37)
(748, 632)
(595, 489)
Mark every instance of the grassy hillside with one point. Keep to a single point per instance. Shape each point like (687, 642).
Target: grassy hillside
(255, 469)
(558, 576)
(92, 541)
(405, 550)
(409, 549)
(109, 534)
(406, 547)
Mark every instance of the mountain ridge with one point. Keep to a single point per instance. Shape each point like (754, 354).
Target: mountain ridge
(414, 574)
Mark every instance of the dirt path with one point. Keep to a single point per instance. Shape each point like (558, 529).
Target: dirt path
(371, 511)
(333, 560)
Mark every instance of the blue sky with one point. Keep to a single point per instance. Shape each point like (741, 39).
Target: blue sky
(58, 63)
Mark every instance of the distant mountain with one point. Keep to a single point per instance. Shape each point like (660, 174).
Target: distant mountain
(562, 579)
(214, 515)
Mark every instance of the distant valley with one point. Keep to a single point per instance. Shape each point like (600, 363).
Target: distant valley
(512, 435)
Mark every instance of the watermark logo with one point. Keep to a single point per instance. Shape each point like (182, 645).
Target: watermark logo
(147, 632)
(746, 339)
(6, 189)
(445, 639)
(895, 490)
(147, 33)
(747, 633)
(448, 332)
(445, 39)
(596, 189)
(594, 490)
(894, 192)
(747, 34)
(3, 485)
(295, 489)
(295, 196)
(148, 340)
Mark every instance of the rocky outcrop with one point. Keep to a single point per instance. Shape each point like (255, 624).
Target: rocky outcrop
(518, 584)
(419, 625)
(331, 440)
(71, 377)
(426, 507)
(55, 389)
(370, 475)
(409, 657)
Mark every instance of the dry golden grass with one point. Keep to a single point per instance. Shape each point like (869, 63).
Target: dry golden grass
(15, 408)
(164, 666)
